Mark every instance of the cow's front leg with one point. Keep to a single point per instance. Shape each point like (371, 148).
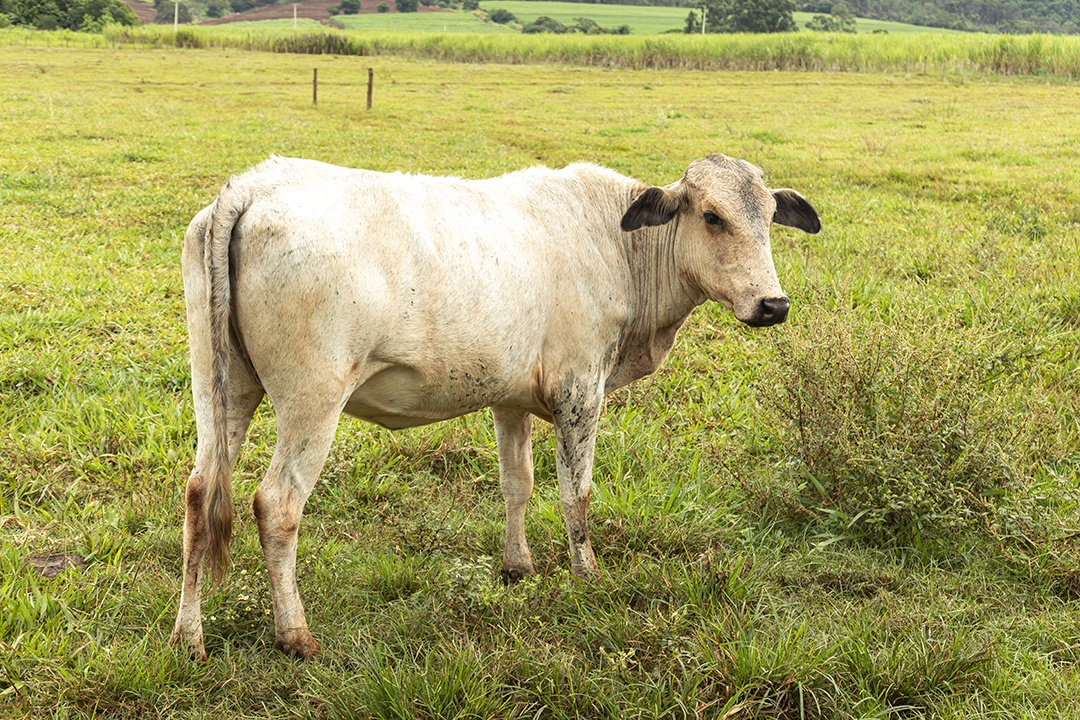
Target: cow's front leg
(576, 415)
(513, 432)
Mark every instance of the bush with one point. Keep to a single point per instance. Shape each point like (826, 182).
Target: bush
(545, 24)
(502, 16)
(839, 19)
(349, 7)
(749, 16)
(896, 433)
(406, 5)
(382, 7)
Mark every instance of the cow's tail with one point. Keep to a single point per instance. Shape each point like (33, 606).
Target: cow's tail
(231, 203)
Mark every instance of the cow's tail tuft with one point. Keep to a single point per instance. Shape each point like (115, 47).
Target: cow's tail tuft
(231, 203)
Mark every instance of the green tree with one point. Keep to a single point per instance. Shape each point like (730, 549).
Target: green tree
(545, 24)
(407, 5)
(750, 16)
(34, 13)
(94, 15)
(382, 7)
(216, 8)
(693, 25)
(839, 19)
(349, 7)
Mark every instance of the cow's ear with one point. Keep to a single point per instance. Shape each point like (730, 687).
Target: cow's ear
(655, 206)
(793, 210)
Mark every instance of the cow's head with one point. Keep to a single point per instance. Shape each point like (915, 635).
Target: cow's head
(724, 212)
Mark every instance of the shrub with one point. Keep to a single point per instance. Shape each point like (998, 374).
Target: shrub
(545, 24)
(839, 19)
(896, 433)
(382, 7)
(749, 16)
(502, 16)
(349, 7)
(406, 5)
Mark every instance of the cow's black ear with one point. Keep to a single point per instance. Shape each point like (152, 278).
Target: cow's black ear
(793, 210)
(655, 206)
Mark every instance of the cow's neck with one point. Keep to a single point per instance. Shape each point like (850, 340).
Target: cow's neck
(662, 300)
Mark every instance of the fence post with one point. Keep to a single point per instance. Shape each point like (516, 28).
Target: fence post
(370, 85)
(315, 87)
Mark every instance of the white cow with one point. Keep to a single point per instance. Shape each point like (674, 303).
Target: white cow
(405, 299)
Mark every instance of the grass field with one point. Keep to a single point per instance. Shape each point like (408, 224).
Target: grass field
(868, 512)
(454, 22)
(642, 20)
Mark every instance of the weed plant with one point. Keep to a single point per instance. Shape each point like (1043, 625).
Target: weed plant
(905, 432)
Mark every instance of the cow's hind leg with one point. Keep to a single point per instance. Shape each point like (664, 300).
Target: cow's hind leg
(305, 431)
(513, 432)
(244, 395)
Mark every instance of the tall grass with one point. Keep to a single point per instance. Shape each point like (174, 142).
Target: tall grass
(1039, 55)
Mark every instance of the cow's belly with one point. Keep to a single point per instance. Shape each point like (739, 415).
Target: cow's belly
(399, 396)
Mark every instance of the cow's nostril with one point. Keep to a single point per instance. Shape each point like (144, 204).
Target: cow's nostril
(774, 310)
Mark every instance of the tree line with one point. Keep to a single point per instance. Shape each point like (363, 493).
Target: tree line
(85, 15)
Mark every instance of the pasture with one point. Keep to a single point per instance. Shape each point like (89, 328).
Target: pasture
(867, 512)
(643, 20)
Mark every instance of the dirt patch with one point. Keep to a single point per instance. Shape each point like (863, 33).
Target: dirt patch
(143, 10)
(52, 565)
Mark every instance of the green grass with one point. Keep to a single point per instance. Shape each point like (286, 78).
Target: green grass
(730, 586)
(868, 25)
(286, 25)
(642, 20)
(453, 22)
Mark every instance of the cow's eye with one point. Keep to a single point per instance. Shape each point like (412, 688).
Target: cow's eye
(713, 219)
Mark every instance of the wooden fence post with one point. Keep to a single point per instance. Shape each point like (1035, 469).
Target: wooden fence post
(315, 87)
(370, 85)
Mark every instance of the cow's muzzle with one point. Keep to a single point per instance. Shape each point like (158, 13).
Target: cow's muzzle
(769, 311)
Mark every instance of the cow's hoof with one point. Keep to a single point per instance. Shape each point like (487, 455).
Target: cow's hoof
(196, 650)
(297, 643)
(513, 574)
